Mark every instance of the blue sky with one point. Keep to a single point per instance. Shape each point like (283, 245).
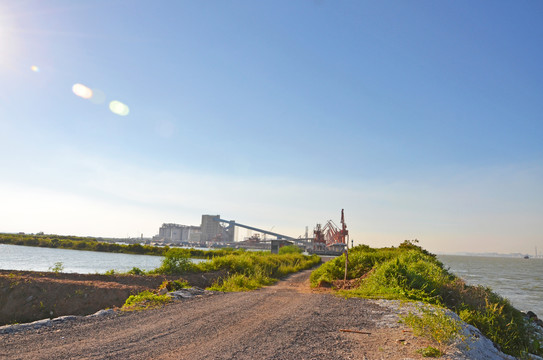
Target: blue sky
(421, 119)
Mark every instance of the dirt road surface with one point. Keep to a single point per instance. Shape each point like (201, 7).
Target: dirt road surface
(284, 321)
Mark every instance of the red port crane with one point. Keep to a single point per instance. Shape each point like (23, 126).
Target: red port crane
(330, 233)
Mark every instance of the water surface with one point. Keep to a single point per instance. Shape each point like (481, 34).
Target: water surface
(15, 257)
(517, 279)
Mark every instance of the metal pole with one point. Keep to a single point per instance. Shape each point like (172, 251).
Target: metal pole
(346, 262)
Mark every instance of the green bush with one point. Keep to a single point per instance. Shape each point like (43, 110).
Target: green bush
(290, 249)
(242, 282)
(136, 271)
(430, 351)
(252, 270)
(145, 300)
(434, 323)
(174, 285)
(57, 268)
(175, 262)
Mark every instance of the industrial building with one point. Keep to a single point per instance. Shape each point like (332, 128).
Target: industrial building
(210, 230)
(175, 233)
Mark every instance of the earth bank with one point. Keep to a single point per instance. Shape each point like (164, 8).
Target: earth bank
(26, 296)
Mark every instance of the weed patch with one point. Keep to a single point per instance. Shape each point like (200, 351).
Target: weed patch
(145, 300)
(430, 351)
(253, 270)
(174, 285)
(435, 324)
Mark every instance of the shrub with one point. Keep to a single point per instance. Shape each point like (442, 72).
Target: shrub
(57, 268)
(136, 271)
(434, 323)
(290, 249)
(145, 300)
(175, 262)
(430, 351)
(174, 285)
(251, 270)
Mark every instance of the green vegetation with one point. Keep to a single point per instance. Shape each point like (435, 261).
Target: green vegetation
(78, 243)
(434, 323)
(290, 249)
(174, 285)
(176, 261)
(145, 300)
(57, 268)
(97, 244)
(136, 271)
(430, 351)
(252, 270)
(411, 273)
(245, 270)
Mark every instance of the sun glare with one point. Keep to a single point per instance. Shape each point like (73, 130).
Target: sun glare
(118, 108)
(82, 91)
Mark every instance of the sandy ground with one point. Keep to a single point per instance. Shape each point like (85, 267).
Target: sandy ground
(285, 321)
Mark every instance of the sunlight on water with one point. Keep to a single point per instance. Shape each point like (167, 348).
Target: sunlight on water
(82, 91)
(118, 108)
(519, 280)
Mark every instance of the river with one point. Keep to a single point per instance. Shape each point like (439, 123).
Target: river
(14, 257)
(517, 279)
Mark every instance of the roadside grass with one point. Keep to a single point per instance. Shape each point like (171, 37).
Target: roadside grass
(409, 272)
(174, 285)
(434, 323)
(253, 270)
(246, 270)
(430, 351)
(242, 282)
(144, 301)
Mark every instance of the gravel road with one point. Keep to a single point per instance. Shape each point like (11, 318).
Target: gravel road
(284, 321)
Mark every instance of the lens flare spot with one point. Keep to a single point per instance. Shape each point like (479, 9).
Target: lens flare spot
(118, 108)
(82, 91)
(35, 68)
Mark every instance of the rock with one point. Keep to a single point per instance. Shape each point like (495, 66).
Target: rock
(162, 291)
(29, 299)
(102, 313)
(181, 294)
(8, 329)
(531, 315)
(39, 323)
(64, 318)
(189, 293)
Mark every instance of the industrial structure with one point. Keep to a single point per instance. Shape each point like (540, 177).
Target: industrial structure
(175, 233)
(330, 238)
(216, 232)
